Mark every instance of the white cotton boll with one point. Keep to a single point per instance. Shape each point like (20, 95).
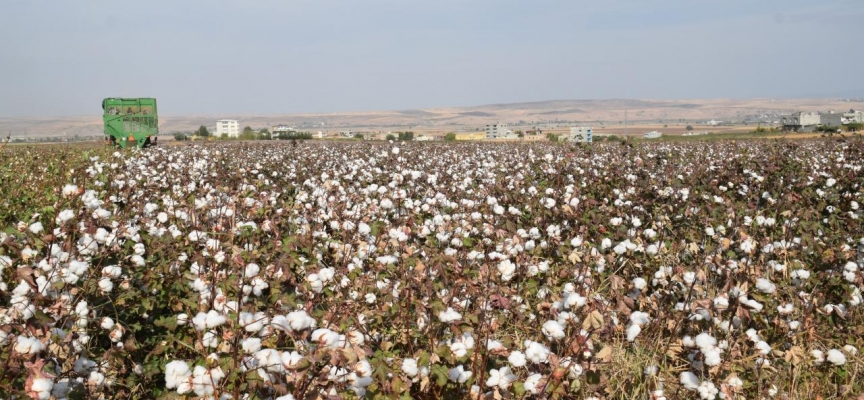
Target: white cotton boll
(251, 270)
(107, 323)
(705, 341)
(210, 339)
(850, 349)
(112, 271)
(836, 357)
(689, 380)
(818, 356)
(325, 337)
(536, 352)
(532, 383)
(409, 367)
(208, 320)
(501, 378)
(786, 309)
(507, 269)
(175, 373)
(553, 330)
(182, 319)
(458, 349)
(291, 360)
(763, 347)
(712, 356)
(105, 285)
(299, 320)
(363, 228)
(707, 390)
(517, 359)
(64, 216)
(370, 298)
(689, 277)
(42, 387)
(639, 318)
(459, 374)
(28, 345)
(36, 228)
(801, 274)
(765, 286)
(633, 330)
(639, 283)
(449, 315)
(251, 345)
(70, 191)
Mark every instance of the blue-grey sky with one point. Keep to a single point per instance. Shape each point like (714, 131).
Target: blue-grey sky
(267, 57)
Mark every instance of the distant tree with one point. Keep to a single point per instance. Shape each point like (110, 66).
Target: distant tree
(202, 131)
(854, 127)
(689, 128)
(552, 137)
(450, 137)
(358, 136)
(406, 136)
(248, 134)
(179, 136)
(264, 134)
(391, 137)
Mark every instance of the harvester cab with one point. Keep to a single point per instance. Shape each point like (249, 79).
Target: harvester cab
(130, 122)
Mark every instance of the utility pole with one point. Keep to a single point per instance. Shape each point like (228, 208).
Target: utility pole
(625, 122)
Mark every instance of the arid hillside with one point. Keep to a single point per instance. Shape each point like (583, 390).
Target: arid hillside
(595, 112)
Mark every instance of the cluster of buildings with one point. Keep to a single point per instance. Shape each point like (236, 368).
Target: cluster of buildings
(808, 121)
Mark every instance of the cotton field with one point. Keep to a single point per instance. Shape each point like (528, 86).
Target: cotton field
(705, 270)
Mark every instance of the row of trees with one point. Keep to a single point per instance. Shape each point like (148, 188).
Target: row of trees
(247, 134)
(401, 136)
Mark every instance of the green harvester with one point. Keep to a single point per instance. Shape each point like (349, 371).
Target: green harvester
(130, 122)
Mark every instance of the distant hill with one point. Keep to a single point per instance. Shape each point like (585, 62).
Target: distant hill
(468, 118)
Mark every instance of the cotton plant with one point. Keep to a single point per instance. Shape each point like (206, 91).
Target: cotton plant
(317, 263)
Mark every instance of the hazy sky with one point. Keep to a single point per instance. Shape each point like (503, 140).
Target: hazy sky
(264, 57)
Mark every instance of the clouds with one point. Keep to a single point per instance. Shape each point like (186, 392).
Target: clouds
(232, 57)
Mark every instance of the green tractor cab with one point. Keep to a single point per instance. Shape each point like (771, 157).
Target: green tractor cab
(130, 122)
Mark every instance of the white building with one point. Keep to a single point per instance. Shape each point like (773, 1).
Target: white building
(497, 131)
(652, 135)
(582, 134)
(228, 127)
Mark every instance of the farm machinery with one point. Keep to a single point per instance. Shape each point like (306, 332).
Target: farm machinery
(130, 121)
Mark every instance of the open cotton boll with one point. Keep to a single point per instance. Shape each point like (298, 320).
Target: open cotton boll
(501, 378)
(633, 330)
(818, 356)
(533, 383)
(28, 345)
(536, 352)
(517, 359)
(251, 345)
(689, 380)
(459, 374)
(42, 388)
(449, 315)
(553, 330)
(707, 390)
(409, 367)
(209, 320)
(325, 337)
(765, 286)
(639, 318)
(176, 373)
(836, 357)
